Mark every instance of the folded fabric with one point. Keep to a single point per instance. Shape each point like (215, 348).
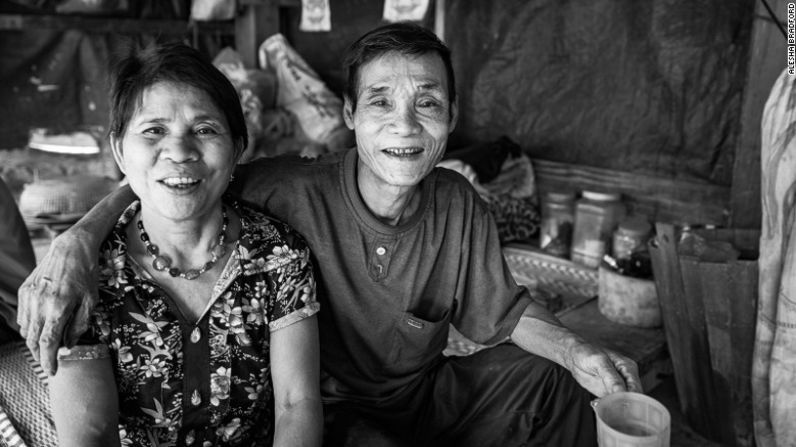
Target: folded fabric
(486, 158)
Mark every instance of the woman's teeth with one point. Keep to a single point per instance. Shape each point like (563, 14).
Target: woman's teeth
(180, 182)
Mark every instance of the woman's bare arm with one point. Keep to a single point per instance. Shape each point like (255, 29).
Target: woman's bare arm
(295, 374)
(85, 403)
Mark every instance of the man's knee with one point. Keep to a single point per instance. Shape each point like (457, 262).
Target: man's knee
(349, 428)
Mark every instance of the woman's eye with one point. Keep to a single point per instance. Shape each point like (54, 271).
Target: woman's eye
(379, 103)
(206, 131)
(153, 131)
(428, 103)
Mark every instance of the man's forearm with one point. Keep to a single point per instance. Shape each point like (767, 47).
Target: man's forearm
(540, 332)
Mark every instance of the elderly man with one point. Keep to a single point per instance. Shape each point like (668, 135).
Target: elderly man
(403, 250)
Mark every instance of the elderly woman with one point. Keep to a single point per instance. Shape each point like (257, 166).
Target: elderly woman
(205, 332)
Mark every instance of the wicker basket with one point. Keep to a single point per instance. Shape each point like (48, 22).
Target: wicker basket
(539, 272)
(533, 269)
(63, 198)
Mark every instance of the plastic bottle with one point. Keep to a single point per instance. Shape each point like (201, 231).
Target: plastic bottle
(558, 217)
(596, 217)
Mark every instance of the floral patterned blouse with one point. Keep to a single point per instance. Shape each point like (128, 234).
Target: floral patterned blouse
(207, 383)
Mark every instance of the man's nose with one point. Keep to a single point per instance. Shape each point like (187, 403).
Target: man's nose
(405, 121)
(179, 148)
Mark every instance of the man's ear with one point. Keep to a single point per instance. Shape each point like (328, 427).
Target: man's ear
(454, 116)
(118, 154)
(348, 113)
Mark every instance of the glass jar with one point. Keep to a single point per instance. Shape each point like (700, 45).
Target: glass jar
(631, 237)
(558, 216)
(596, 217)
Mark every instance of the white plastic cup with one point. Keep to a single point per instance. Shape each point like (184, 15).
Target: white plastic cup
(627, 419)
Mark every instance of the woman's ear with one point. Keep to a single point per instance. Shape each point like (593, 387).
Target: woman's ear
(348, 113)
(118, 153)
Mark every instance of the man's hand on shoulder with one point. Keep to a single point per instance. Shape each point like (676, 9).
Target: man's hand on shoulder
(602, 371)
(55, 300)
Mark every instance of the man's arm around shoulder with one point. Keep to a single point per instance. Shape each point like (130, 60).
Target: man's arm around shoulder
(57, 297)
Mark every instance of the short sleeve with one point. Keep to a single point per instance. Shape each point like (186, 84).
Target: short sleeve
(294, 286)
(493, 303)
(91, 344)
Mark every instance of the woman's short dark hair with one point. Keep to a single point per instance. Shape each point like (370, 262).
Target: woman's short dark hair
(405, 38)
(175, 62)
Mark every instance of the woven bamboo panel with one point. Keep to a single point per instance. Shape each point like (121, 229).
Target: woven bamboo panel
(535, 269)
(24, 397)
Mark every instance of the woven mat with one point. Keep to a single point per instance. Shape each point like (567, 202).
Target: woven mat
(577, 285)
(24, 400)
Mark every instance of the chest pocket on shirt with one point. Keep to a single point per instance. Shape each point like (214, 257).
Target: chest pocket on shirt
(417, 341)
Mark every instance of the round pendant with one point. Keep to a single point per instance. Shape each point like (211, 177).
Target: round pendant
(196, 335)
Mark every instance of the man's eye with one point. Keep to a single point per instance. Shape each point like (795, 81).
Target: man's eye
(428, 103)
(379, 103)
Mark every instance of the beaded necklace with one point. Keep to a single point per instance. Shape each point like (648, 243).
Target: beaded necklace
(162, 262)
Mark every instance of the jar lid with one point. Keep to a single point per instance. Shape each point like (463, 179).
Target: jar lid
(560, 196)
(601, 196)
(635, 225)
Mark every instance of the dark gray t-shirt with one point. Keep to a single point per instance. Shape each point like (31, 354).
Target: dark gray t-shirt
(388, 293)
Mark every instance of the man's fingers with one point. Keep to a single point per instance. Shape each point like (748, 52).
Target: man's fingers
(612, 381)
(23, 305)
(32, 322)
(32, 337)
(77, 325)
(49, 341)
(629, 371)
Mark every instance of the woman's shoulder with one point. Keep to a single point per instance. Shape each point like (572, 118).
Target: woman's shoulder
(261, 230)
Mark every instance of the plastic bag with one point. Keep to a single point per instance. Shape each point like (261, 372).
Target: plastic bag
(256, 90)
(204, 10)
(318, 111)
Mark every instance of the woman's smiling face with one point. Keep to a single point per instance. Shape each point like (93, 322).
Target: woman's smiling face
(176, 151)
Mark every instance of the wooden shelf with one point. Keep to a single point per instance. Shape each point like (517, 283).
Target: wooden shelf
(108, 24)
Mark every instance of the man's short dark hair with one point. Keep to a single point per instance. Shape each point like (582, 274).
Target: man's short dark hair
(175, 62)
(404, 38)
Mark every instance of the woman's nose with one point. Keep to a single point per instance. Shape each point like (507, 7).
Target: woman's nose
(405, 121)
(179, 149)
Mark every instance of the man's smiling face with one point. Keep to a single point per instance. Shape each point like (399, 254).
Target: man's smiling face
(402, 118)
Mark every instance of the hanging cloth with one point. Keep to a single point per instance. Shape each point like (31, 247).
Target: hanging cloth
(405, 10)
(774, 366)
(315, 16)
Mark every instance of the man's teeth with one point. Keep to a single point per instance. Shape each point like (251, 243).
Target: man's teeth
(404, 150)
(180, 181)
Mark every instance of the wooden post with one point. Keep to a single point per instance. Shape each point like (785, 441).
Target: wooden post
(257, 20)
